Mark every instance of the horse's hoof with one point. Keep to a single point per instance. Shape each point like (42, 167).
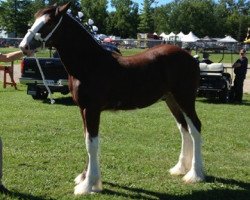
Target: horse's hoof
(84, 188)
(79, 178)
(178, 170)
(97, 187)
(194, 177)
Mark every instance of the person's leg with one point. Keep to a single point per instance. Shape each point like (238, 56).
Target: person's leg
(238, 89)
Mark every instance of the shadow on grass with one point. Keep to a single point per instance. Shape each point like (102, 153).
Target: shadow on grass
(14, 194)
(242, 193)
(217, 101)
(67, 101)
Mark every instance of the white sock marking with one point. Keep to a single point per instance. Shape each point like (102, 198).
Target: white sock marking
(92, 182)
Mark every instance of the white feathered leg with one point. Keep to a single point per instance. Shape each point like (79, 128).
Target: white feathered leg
(92, 182)
(186, 155)
(195, 174)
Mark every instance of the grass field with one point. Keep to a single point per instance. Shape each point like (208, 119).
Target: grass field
(44, 151)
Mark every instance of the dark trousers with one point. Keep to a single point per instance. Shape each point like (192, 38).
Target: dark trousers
(238, 88)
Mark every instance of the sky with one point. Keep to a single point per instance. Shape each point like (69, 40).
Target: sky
(159, 3)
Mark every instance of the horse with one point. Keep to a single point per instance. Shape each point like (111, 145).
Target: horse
(101, 80)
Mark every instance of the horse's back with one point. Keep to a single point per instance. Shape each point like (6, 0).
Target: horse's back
(164, 62)
(167, 55)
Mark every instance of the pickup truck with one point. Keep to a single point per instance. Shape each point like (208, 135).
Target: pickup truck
(55, 75)
(54, 72)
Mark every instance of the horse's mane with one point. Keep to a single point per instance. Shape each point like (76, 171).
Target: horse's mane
(87, 33)
(50, 9)
(43, 11)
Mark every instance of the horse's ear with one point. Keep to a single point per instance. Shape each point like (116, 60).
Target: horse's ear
(63, 9)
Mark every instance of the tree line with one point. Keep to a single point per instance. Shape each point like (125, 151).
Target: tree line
(127, 18)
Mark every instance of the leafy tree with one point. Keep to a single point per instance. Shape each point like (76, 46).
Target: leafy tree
(193, 15)
(15, 16)
(96, 10)
(146, 24)
(124, 20)
(234, 18)
(161, 19)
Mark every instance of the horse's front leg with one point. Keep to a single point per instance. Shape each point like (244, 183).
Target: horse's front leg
(90, 181)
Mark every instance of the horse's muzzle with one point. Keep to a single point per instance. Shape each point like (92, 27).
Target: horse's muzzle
(27, 48)
(24, 49)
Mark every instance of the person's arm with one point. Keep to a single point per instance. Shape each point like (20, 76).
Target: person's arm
(236, 64)
(9, 57)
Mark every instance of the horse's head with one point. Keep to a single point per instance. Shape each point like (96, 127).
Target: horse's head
(46, 23)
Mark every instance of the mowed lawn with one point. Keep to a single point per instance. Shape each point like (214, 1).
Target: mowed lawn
(44, 150)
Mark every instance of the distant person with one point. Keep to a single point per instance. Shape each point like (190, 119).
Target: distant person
(9, 57)
(240, 70)
(206, 58)
(196, 57)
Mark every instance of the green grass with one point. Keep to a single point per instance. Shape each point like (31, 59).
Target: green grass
(44, 150)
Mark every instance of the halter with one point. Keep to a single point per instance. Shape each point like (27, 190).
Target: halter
(33, 32)
(38, 37)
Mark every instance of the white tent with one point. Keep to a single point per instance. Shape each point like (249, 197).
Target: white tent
(180, 35)
(189, 37)
(171, 36)
(164, 36)
(228, 39)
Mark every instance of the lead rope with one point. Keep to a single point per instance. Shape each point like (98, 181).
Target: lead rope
(38, 37)
(52, 101)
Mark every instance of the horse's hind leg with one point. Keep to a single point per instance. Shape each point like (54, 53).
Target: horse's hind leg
(185, 158)
(192, 141)
(90, 181)
(195, 174)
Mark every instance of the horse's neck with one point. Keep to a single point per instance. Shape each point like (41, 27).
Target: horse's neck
(75, 44)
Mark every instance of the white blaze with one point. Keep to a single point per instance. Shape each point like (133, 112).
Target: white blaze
(34, 29)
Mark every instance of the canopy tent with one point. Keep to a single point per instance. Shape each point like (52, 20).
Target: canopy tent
(207, 39)
(180, 35)
(164, 35)
(191, 37)
(171, 36)
(227, 39)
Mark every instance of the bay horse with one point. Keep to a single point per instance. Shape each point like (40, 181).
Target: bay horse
(102, 80)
